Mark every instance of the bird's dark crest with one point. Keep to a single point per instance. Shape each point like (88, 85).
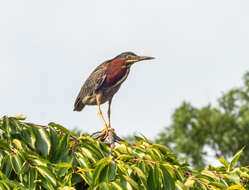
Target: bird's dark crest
(121, 55)
(124, 54)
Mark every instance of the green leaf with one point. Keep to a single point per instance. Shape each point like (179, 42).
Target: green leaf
(63, 148)
(96, 151)
(28, 136)
(126, 157)
(20, 117)
(88, 154)
(180, 185)
(6, 127)
(64, 167)
(6, 167)
(232, 177)
(121, 149)
(63, 164)
(18, 144)
(3, 186)
(16, 163)
(155, 176)
(189, 183)
(4, 145)
(100, 170)
(150, 178)
(87, 174)
(236, 187)
(67, 188)
(13, 184)
(168, 181)
(209, 175)
(131, 182)
(162, 148)
(224, 162)
(142, 176)
(138, 138)
(105, 186)
(235, 158)
(43, 143)
(112, 171)
(32, 178)
(217, 184)
(54, 138)
(83, 161)
(117, 185)
(58, 126)
(47, 174)
(45, 183)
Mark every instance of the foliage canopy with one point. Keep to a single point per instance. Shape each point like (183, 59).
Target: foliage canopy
(223, 129)
(51, 157)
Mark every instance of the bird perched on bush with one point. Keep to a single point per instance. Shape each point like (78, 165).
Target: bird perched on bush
(103, 83)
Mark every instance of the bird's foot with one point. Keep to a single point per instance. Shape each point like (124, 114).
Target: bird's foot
(102, 135)
(105, 133)
(110, 133)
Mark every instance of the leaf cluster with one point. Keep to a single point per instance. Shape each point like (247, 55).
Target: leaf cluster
(52, 157)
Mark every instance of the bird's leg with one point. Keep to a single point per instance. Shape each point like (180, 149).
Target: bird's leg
(104, 132)
(109, 113)
(107, 131)
(111, 133)
(99, 111)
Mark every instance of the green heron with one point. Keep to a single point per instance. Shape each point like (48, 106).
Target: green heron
(104, 82)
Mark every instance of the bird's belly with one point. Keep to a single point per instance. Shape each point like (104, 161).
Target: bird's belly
(106, 94)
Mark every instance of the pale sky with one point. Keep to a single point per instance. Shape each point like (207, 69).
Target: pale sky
(48, 49)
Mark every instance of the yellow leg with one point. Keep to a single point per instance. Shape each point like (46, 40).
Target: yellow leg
(99, 111)
(109, 114)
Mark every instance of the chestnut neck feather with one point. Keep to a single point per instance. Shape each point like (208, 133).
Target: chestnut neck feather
(116, 71)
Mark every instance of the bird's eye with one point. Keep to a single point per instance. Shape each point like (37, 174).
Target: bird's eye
(129, 56)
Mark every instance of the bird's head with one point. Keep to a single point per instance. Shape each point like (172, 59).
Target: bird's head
(131, 58)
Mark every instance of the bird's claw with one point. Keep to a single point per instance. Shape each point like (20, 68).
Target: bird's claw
(110, 133)
(105, 133)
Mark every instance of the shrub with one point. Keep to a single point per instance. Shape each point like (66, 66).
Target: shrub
(51, 157)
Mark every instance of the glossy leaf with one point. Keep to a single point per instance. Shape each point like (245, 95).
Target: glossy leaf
(235, 158)
(58, 126)
(16, 163)
(224, 162)
(46, 173)
(43, 143)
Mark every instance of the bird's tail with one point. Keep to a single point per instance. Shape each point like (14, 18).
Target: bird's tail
(78, 106)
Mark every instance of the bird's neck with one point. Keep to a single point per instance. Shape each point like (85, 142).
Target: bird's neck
(117, 72)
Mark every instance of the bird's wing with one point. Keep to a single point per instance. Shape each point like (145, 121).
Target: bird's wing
(92, 84)
(98, 76)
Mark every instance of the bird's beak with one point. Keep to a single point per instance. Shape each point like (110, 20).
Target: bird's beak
(141, 58)
(138, 58)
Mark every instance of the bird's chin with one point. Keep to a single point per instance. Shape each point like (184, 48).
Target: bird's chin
(130, 62)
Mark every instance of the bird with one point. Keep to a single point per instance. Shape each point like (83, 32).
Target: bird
(103, 83)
